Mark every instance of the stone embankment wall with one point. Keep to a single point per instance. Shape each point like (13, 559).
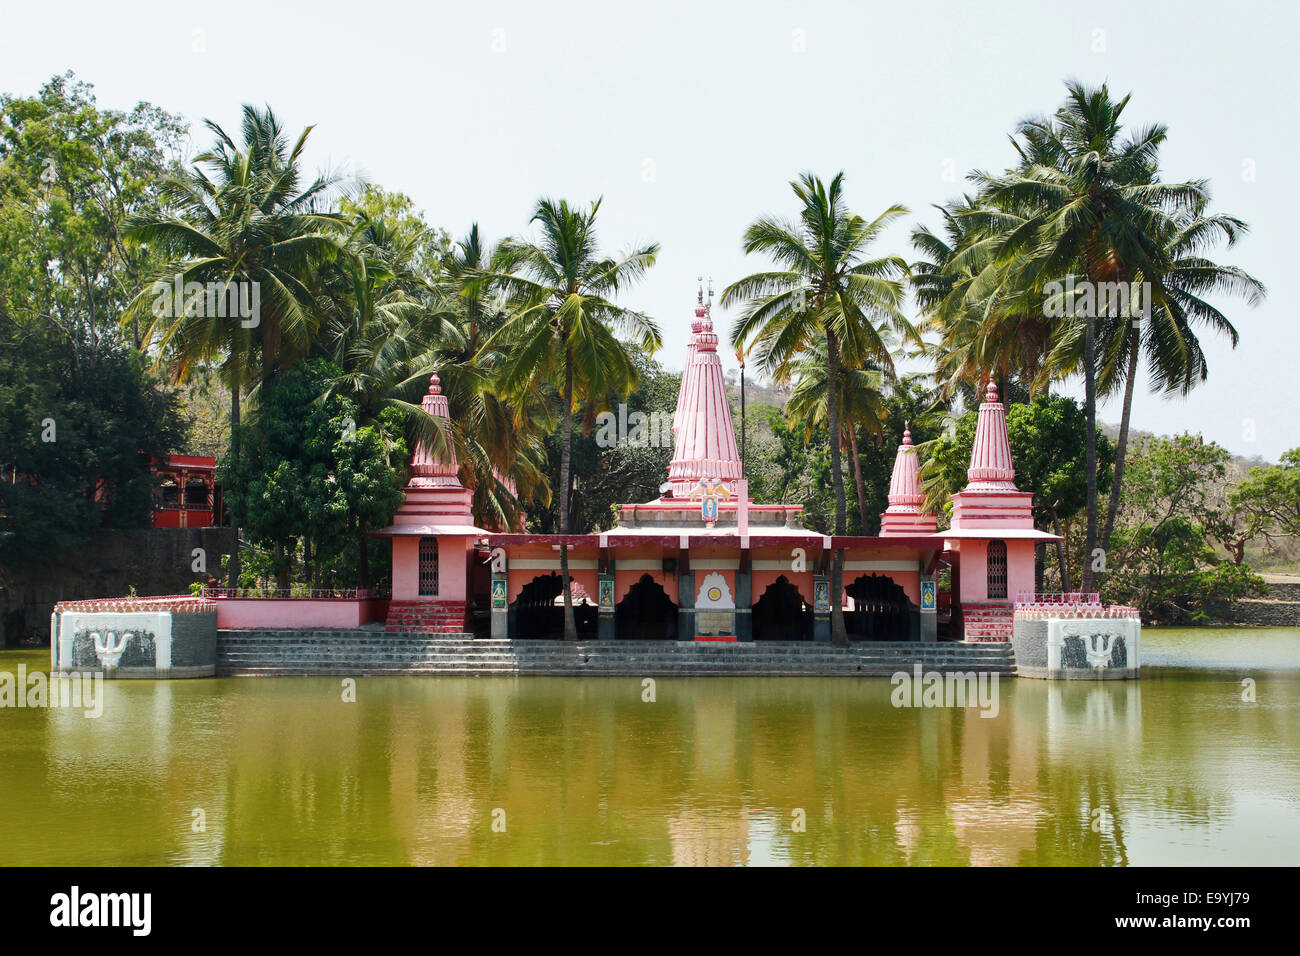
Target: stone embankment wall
(1280, 609)
(152, 560)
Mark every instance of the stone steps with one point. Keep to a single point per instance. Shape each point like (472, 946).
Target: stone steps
(353, 653)
(436, 617)
(987, 623)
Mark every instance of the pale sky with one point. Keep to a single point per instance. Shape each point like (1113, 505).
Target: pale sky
(691, 119)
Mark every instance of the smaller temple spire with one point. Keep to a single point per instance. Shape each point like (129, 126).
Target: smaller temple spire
(904, 514)
(435, 502)
(428, 470)
(991, 499)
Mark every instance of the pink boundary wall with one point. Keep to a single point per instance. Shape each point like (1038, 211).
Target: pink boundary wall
(328, 613)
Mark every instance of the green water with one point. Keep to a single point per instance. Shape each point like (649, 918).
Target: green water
(1174, 769)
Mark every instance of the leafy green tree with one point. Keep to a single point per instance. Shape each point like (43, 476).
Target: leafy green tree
(1160, 559)
(307, 475)
(78, 425)
(424, 247)
(1267, 502)
(71, 175)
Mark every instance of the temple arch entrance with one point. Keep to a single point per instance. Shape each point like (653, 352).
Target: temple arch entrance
(538, 612)
(782, 614)
(646, 613)
(881, 610)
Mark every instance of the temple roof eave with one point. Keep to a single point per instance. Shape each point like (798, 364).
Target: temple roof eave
(429, 530)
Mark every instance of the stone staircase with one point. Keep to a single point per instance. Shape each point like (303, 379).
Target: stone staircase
(986, 623)
(376, 653)
(426, 617)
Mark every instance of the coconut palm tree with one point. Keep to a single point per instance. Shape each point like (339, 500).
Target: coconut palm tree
(240, 217)
(563, 329)
(391, 328)
(825, 288)
(501, 440)
(1166, 336)
(862, 405)
(954, 283)
(1092, 207)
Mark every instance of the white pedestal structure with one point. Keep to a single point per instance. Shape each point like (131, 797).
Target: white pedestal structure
(1078, 647)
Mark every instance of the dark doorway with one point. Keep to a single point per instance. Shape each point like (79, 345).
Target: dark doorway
(781, 614)
(646, 614)
(881, 611)
(538, 614)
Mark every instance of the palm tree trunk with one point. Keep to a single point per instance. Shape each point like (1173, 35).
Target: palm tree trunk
(281, 567)
(1090, 409)
(742, 415)
(363, 558)
(1121, 447)
(839, 635)
(566, 441)
(234, 455)
(857, 477)
(1060, 552)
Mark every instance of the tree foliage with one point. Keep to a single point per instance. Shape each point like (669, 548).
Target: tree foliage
(307, 476)
(78, 425)
(1161, 558)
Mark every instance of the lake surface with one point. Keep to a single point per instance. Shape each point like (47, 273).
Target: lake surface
(1174, 769)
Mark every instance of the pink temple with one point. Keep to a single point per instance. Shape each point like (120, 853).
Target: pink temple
(433, 533)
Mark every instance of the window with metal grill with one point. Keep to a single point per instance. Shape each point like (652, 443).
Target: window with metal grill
(997, 568)
(428, 566)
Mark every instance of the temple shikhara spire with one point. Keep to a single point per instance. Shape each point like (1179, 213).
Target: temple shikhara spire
(990, 497)
(705, 445)
(990, 461)
(904, 514)
(427, 471)
(696, 325)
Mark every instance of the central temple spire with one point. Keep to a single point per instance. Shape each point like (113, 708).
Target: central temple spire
(705, 446)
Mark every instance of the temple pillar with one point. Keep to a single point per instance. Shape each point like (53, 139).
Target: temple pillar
(929, 607)
(185, 480)
(605, 621)
(744, 602)
(500, 606)
(821, 607)
(685, 603)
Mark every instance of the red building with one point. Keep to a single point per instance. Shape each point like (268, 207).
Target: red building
(189, 496)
